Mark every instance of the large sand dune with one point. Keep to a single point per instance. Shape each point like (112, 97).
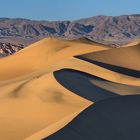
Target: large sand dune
(111, 119)
(44, 86)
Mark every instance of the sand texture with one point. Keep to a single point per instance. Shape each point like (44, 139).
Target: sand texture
(48, 87)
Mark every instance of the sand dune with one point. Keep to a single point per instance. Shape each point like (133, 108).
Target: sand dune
(120, 89)
(91, 87)
(68, 78)
(98, 71)
(111, 119)
(44, 86)
(33, 109)
(122, 70)
(126, 57)
(41, 55)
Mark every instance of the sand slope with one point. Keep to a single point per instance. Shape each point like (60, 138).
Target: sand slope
(41, 55)
(45, 86)
(111, 119)
(34, 105)
(126, 57)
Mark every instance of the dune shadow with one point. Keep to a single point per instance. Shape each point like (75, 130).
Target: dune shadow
(79, 83)
(111, 119)
(122, 70)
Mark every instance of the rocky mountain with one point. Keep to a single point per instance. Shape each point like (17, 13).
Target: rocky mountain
(113, 31)
(8, 48)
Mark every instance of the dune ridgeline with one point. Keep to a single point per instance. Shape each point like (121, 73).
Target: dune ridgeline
(54, 89)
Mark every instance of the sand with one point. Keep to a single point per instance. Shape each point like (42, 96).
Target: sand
(44, 86)
(125, 57)
(111, 119)
(34, 105)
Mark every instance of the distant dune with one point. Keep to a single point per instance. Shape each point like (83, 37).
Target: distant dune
(126, 57)
(48, 84)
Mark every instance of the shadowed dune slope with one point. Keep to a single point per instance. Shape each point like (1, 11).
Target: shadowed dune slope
(69, 79)
(91, 87)
(111, 119)
(45, 86)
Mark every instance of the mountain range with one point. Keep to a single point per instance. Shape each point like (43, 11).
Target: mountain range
(18, 33)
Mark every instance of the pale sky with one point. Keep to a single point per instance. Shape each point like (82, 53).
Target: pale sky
(66, 9)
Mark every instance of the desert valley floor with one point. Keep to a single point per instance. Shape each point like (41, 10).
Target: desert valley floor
(58, 89)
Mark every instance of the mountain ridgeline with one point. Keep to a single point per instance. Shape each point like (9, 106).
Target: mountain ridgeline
(113, 31)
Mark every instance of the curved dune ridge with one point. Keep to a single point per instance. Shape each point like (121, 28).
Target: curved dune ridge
(48, 84)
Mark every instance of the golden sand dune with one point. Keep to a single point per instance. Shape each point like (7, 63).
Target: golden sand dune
(37, 98)
(34, 105)
(41, 55)
(125, 57)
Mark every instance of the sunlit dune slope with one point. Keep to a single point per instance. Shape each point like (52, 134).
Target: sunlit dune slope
(80, 65)
(34, 105)
(127, 57)
(30, 97)
(44, 86)
(41, 55)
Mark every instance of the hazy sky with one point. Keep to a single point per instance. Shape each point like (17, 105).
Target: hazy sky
(66, 9)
